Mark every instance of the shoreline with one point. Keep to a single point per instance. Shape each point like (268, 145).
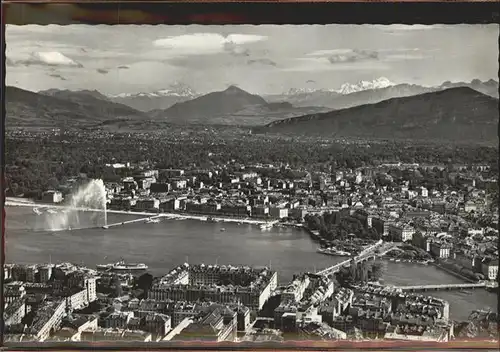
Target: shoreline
(405, 261)
(452, 272)
(170, 216)
(209, 218)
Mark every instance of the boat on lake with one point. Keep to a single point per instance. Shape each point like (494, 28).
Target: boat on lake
(266, 226)
(122, 266)
(334, 251)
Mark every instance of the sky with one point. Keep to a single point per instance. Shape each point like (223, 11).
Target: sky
(262, 59)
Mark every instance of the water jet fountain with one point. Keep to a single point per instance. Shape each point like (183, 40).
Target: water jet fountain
(86, 207)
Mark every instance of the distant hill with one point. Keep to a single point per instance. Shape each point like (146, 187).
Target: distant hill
(62, 108)
(232, 106)
(349, 98)
(489, 87)
(452, 114)
(79, 95)
(214, 104)
(93, 97)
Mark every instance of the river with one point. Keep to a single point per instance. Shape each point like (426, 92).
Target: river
(171, 242)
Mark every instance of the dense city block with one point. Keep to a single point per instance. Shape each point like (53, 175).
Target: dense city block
(367, 209)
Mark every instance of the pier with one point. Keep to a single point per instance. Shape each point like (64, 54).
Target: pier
(132, 221)
(147, 215)
(442, 287)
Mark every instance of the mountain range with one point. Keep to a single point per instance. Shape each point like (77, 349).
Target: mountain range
(453, 110)
(57, 108)
(233, 106)
(370, 92)
(457, 114)
(158, 100)
(53, 107)
(348, 95)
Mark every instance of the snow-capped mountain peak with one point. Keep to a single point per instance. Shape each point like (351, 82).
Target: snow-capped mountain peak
(347, 88)
(296, 91)
(379, 83)
(174, 90)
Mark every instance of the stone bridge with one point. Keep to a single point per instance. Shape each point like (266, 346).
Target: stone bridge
(442, 287)
(367, 254)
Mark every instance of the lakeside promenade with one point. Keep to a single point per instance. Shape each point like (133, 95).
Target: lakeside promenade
(148, 215)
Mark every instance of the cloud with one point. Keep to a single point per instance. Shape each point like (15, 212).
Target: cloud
(236, 50)
(397, 50)
(182, 60)
(123, 67)
(407, 28)
(241, 39)
(266, 62)
(55, 75)
(353, 56)
(49, 58)
(206, 43)
(102, 71)
(310, 81)
(339, 56)
(403, 57)
(329, 52)
(343, 56)
(9, 62)
(403, 29)
(202, 42)
(317, 64)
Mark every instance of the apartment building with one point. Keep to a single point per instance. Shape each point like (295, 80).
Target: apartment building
(440, 249)
(47, 319)
(14, 312)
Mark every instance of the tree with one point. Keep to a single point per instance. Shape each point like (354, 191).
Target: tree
(175, 148)
(362, 272)
(373, 234)
(376, 271)
(144, 282)
(116, 283)
(313, 222)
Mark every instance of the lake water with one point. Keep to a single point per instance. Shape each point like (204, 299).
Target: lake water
(172, 242)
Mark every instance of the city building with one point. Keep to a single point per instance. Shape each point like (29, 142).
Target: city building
(47, 319)
(489, 267)
(215, 324)
(115, 335)
(207, 282)
(14, 312)
(440, 249)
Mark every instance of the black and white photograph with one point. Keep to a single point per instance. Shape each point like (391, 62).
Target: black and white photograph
(251, 183)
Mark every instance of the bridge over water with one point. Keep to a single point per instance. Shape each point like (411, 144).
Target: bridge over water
(442, 287)
(378, 249)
